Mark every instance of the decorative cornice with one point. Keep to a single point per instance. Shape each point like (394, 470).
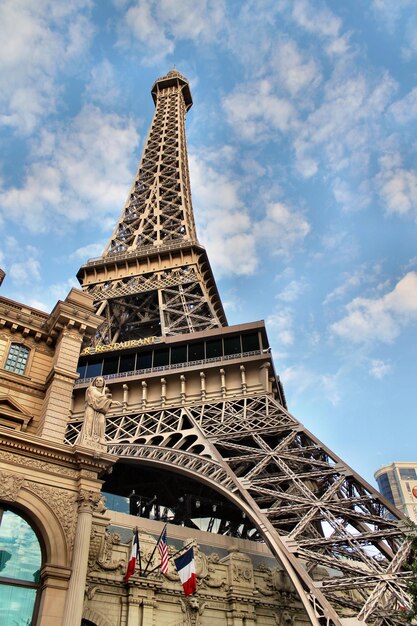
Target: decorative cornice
(31, 447)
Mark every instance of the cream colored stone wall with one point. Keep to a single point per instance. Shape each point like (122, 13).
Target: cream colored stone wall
(239, 583)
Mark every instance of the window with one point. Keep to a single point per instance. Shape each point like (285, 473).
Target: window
(385, 487)
(232, 345)
(20, 565)
(17, 358)
(408, 472)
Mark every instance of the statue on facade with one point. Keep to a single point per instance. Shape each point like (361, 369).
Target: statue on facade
(192, 610)
(98, 401)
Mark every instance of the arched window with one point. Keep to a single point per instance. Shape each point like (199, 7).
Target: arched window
(17, 358)
(20, 566)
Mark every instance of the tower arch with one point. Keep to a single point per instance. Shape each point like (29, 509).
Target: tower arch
(186, 382)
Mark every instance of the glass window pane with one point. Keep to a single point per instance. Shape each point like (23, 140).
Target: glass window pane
(17, 358)
(214, 348)
(94, 369)
(16, 605)
(127, 363)
(232, 345)
(19, 549)
(408, 472)
(144, 360)
(196, 351)
(81, 370)
(160, 358)
(110, 365)
(179, 354)
(250, 342)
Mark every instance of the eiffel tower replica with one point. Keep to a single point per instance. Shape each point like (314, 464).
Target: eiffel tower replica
(200, 400)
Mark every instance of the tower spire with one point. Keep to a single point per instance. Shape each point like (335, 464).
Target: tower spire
(154, 278)
(159, 210)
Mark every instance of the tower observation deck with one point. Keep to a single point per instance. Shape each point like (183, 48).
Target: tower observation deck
(202, 418)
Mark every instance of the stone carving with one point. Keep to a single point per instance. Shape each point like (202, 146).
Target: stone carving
(63, 505)
(37, 464)
(284, 618)
(10, 486)
(96, 539)
(274, 581)
(205, 570)
(264, 584)
(98, 400)
(242, 574)
(91, 502)
(105, 560)
(192, 610)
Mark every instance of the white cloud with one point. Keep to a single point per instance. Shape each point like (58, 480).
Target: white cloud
(378, 368)
(351, 280)
(292, 291)
(38, 40)
(380, 319)
(282, 228)
(253, 111)
(397, 186)
(224, 225)
(341, 130)
(21, 262)
(157, 25)
(295, 72)
(79, 172)
(26, 271)
(300, 379)
(405, 110)
(90, 251)
(103, 87)
(352, 199)
(409, 49)
(316, 19)
(280, 325)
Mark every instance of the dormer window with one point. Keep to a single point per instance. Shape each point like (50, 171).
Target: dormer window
(17, 358)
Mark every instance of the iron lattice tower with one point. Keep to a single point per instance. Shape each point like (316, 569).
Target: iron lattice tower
(218, 414)
(154, 278)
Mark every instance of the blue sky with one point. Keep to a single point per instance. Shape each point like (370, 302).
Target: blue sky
(302, 143)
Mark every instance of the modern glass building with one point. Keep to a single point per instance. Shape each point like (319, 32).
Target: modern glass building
(398, 483)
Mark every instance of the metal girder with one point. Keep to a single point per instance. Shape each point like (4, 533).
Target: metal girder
(328, 521)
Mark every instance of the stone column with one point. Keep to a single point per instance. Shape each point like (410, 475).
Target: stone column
(133, 607)
(59, 386)
(88, 502)
(148, 607)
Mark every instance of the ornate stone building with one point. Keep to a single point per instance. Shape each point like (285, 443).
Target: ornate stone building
(134, 404)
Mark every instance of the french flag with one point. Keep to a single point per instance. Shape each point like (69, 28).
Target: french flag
(185, 565)
(134, 553)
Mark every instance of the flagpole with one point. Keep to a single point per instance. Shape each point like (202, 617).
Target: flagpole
(139, 557)
(172, 556)
(153, 552)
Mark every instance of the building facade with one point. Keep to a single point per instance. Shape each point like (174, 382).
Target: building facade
(398, 483)
(135, 404)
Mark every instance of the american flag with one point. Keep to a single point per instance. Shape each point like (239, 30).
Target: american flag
(163, 551)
